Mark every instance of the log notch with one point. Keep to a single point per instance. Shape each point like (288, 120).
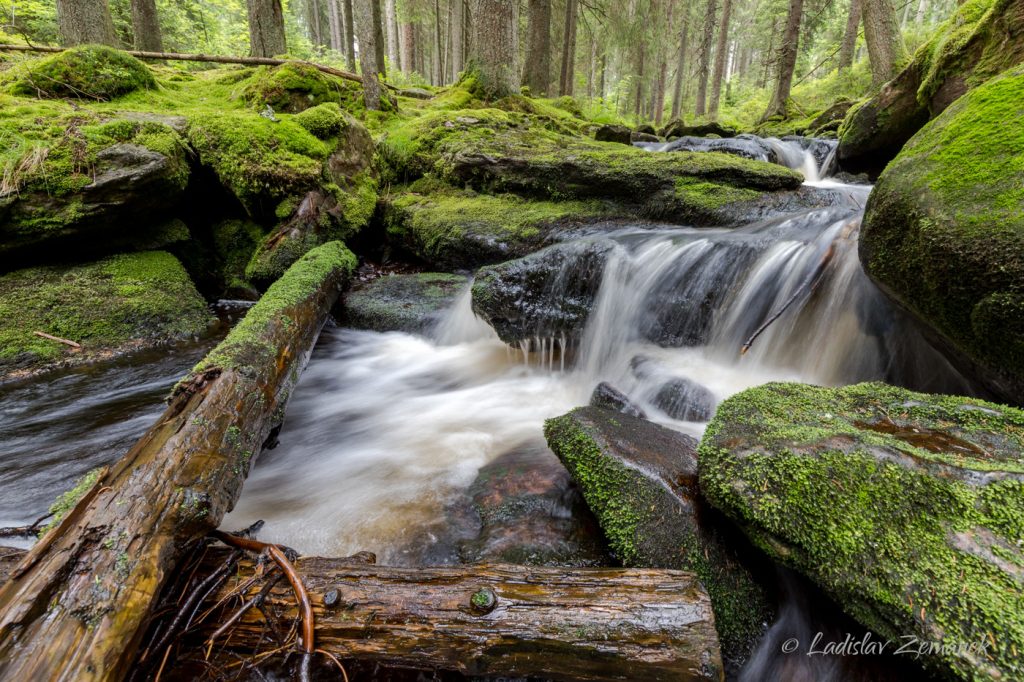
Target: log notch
(521, 621)
(76, 606)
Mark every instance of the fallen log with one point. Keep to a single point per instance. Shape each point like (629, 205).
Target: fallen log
(77, 604)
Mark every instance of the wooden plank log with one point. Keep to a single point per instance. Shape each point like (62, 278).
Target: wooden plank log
(76, 606)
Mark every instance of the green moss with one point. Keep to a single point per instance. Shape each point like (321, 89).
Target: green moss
(877, 493)
(245, 349)
(88, 72)
(108, 304)
(710, 196)
(409, 303)
(324, 120)
(295, 87)
(235, 242)
(67, 500)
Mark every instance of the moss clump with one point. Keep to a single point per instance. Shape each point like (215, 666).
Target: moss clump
(324, 120)
(944, 228)
(235, 242)
(295, 87)
(245, 348)
(710, 196)
(91, 72)
(122, 300)
(906, 508)
(408, 303)
(67, 500)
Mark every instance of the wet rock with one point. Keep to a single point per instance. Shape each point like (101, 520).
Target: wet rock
(906, 508)
(744, 146)
(943, 233)
(530, 512)
(821, 149)
(640, 480)
(644, 137)
(548, 294)
(980, 40)
(829, 120)
(614, 133)
(610, 398)
(646, 129)
(685, 400)
(407, 303)
(679, 129)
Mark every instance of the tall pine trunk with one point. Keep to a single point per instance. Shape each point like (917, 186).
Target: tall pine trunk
(495, 47)
(537, 70)
(659, 100)
(315, 35)
(85, 21)
(787, 61)
(368, 26)
(457, 30)
(350, 35)
(704, 57)
(438, 53)
(146, 26)
(392, 34)
(266, 28)
(721, 56)
(378, 43)
(684, 34)
(334, 22)
(408, 56)
(886, 50)
(850, 36)
(568, 72)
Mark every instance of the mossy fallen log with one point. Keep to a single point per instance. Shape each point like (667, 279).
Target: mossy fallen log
(77, 604)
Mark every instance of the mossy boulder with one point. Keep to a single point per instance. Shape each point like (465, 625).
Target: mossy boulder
(461, 229)
(235, 240)
(75, 182)
(979, 41)
(906, 508)
(640, 480)
(90, 72)
(294, 86)
(548, 294)
(944, 230)
(323, 121)
(123, 302)
(408, 303)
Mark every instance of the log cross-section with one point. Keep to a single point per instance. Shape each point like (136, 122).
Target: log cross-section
(76, 606)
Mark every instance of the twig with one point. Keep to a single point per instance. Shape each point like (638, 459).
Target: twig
(66, 342)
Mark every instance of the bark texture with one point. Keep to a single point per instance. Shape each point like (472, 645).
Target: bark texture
(350, 35)
(849, 44)
(787, 60)
(566, 78)
(408, 48)
(146, 26)
(885, 43)
(457, 31)
(266, 28)
(495, 46)
(537, 70)
(390, 19)
(85, 21)
(76, 606)
(721, 55)
(368, 51)
(677, 95)
(704, 58)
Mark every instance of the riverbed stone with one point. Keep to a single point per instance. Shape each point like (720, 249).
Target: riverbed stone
(943, 234)
(610, 398)
(407, 303)
(906, 508)
(640, 480)
(685, 399)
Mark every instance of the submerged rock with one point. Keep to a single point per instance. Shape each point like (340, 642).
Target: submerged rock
(906, 508)
(744, 146)
(610, 398)
(406, 303)
(640, 480)
(548, 294)
(944, 231)
(685, 400)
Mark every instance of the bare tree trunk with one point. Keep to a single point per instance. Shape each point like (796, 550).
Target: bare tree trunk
(684, 32)
(721, 54)
(568, 72)
(850, 36)
(638, 107)
(315, 35)
(266, 28)
(659, 100)
(602, 81)
(495, 46)
(457, 30)
(350, 35)
(146, 26)
(885, 44)
(408, 56)
(769, 57)
(537, 71)
(80, 22)
(368, 25)
(379, 45)
(922, 5)
(438, 52)
(392, 35)
(334, 21)
(787, 61)
(704, 57)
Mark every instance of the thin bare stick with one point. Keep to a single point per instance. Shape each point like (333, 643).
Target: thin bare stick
(66, 342)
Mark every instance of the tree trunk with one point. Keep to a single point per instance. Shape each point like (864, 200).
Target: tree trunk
(146, 26)
(886, 50)
(787, 61)
(266, 28)
(721, 55)
(76, 607)
(850, 36)
(457, 30)
(350, 35)
(378, 38)
(568, 71)
(495, 48)
(922, 5)
(438, 52)
(334, 24)
(537, 71)
(408, 56)
(659, 100)
(611, 623)
(367, 24)
(677, 96)
(638, 107)
(315, 34)
(704, 58)
(392, 35)
(80, 22)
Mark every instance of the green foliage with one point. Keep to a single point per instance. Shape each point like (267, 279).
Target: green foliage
(324, 120)
(67, 500)
(88, 72)
(295, 87)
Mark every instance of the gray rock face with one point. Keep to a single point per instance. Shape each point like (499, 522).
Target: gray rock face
(407, 303)
(610, 398)
(685, 399)
(745, 146)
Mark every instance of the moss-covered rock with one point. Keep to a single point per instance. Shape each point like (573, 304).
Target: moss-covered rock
(90, 72)
(979, 41)
(407, 303)
(907, 508)
(944, 230)
(295, 87)
(324, 120)
(640, 480)
(235, 241)
(126, 301)
(461, 229)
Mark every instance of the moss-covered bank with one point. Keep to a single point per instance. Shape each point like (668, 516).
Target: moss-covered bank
(408, 303)
(907, 508)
